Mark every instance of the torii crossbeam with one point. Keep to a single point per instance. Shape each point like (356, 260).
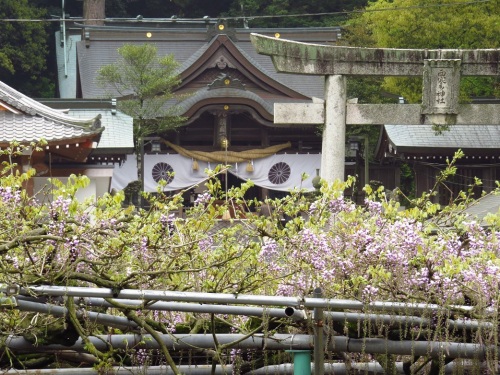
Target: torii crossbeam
(441, 70)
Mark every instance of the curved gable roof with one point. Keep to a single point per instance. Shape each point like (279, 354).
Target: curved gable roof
(221, 46)
(229, 96)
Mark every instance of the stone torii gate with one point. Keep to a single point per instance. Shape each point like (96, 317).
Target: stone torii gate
(441, 71)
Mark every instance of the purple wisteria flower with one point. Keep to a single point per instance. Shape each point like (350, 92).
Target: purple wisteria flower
(74, 250)
(167, 223)
(270, 255)
(205, 244)
(60, 205)
(369, 293)
(373, 206)
(10, 195)
(203, 198)
(340, 204)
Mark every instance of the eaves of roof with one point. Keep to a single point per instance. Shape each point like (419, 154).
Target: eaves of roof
(187, 31)
(32, 107)
(234, 98)
(228, 96)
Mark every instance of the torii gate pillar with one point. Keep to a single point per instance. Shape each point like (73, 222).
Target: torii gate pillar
(333, 141)
(441, 70)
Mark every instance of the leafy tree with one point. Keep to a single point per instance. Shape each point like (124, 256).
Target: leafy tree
(232, 8)
(144, 84)
(285, 11)
(24, 48)
(374, 252)
(417, 24)
(180, 8)
(159, 8)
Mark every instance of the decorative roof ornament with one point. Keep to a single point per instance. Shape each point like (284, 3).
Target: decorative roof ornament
(226, 81)
(221, 63)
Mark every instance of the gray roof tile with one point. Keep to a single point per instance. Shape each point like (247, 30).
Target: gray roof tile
(459, 136)
(32, 107)
(26, 128)
(118, 128)
(483, 206)
(101, 53)
(186, 49)
(27, 120)
(311, 86)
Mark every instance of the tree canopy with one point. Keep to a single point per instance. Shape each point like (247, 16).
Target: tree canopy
(415, 24)
(24, 48)
(224, 8)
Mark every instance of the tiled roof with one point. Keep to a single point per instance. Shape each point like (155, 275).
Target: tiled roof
(27, 128)
(459, 136)
(311, 86)
(28, 106)
(483, 206)
(118, 128)
(26, 120)
(101, 53)
(187, 46)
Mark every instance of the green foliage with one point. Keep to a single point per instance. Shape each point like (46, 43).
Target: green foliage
(443, 24)
(232, 8)
(420, 24)
(407, 181)
(292, 13)
(144, 84)
(23, 46)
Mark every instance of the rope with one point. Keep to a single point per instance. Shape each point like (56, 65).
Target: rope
(228, 156)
